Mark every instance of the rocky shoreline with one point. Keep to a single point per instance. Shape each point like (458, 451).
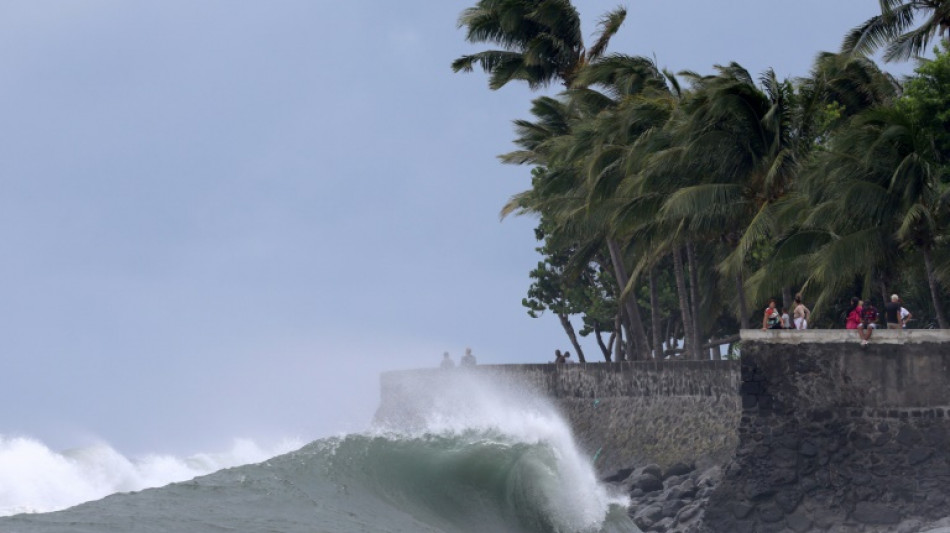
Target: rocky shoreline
(670, 500)
(675, 499)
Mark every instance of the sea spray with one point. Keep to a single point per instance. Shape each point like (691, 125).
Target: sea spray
(458, 403)
(36, 479)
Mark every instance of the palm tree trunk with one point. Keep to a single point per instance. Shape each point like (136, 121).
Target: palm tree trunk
(787, 298)
(743, 306)
(610, 345)
(694, 296)
(600, 342)
(633, 352)
(618, 329)
(934, 289)
(684, 302)
(569, 329)
(655, 316)
(636, 333)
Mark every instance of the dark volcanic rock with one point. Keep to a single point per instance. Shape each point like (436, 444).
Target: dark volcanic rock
(646, 483)
(678, 469)
(874, 513)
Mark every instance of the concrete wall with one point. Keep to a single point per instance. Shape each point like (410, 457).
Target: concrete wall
(836, 436)
(623, 413)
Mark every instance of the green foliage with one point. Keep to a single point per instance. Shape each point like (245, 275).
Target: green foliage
(927, 98)
(834, 185)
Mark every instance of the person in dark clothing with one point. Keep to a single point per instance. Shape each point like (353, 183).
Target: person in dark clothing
(868, 322)
(892, 312)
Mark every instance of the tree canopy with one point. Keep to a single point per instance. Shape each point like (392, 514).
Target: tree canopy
(672, 206)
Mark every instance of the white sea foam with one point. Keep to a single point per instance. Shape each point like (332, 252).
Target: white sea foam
(36, 479)
(462, 402)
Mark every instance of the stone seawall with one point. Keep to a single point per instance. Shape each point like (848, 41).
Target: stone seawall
(816, 433)
(623, 414)
(839, 437)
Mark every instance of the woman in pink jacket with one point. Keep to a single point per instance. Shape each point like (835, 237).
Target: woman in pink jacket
(854, 314)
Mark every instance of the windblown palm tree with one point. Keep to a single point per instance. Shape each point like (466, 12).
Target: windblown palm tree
(894, 29)
(735, 153)
(541, 40)
(839, 87)
(878, 193)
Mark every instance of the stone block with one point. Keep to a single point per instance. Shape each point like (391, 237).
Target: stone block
(799, 522)
(741, 510)
(770, 513)
(875, 513)
(918, 455)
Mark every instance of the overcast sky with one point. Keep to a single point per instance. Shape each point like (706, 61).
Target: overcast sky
(223, 218)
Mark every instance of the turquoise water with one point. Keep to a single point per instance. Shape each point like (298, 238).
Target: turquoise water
(470, 457)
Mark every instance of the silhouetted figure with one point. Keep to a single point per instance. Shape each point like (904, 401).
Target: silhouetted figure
(559, 358)
(468, 360)
(447, 361)
(892, 313)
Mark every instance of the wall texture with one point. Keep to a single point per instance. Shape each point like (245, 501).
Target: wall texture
(623, 413)
(836, 436)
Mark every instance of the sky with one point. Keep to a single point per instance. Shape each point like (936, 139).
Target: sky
(224, 218)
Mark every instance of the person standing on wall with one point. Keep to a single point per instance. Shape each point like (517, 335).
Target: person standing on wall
(801, 313)
(892, 313)
(468, 360)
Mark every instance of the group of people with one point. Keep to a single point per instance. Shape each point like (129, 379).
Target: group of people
(863, 316)
(468, 360)
(561, 358)
(779, 319)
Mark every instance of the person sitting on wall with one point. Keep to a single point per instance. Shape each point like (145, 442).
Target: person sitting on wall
(868, 322)
(854, 314)
(771, 318)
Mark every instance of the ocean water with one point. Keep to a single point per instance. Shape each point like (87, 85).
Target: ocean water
(482, 459)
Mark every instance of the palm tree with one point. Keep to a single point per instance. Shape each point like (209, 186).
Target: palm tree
(641, 99)
(540, 40)
(881, 194)
(734, 155)
(894, 29)
(839, 87)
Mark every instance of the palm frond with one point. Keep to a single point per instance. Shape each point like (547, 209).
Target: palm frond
(608, 26)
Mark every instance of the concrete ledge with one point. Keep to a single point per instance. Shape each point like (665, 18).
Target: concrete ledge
(844, 336)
